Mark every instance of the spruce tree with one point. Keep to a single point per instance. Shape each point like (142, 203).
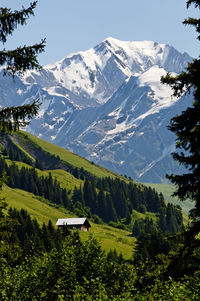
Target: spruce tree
(111, 212)
(17, 61)
(102, 205)
(186, 126)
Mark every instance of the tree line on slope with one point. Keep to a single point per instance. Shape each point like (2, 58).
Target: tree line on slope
(28, 180)
(82, 271)
(111, 200)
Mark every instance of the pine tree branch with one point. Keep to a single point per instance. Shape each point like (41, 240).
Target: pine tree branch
(180, 84)
(186, 126)
(10, 20)
(22, 58)
(11, 118)
(195, 2)
(195, 23)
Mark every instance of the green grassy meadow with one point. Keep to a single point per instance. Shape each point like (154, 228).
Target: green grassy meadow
(70, 157)
(42, 211)
(108, 237)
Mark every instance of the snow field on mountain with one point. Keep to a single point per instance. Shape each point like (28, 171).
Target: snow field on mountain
(107, 104)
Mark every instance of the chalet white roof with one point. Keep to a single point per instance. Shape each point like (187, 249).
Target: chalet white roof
(71, 221)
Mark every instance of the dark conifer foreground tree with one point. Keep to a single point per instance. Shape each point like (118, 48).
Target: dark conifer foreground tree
(187, 129)
(17, 61)
(186, 126)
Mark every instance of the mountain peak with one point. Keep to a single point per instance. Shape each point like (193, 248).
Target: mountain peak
(107, 104)
(95, 74)
(145, 44)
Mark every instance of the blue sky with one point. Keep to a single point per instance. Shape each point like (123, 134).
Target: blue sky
(74, 25)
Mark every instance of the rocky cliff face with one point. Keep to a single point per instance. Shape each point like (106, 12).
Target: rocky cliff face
(108, 105)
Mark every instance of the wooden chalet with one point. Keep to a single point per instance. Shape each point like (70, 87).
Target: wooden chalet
(74, 223)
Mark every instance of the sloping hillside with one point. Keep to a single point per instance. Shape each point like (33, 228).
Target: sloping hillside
(50, 182)
(29, 142)
(109, 237)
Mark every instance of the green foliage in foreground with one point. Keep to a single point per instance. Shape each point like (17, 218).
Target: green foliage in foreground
(82, 271)
(78, 269)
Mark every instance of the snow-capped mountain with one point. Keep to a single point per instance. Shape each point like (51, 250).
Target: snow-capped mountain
(108, 105)
(90, 78)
